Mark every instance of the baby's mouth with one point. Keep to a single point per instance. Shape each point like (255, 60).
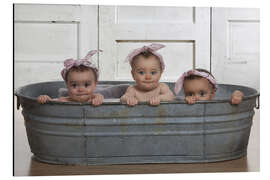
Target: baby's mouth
(147, 82)
(81, 95)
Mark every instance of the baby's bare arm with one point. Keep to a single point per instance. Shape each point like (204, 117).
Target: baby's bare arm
(129, 93)
(62, 99)
(42, 99)
(166, 94)
(129, 97)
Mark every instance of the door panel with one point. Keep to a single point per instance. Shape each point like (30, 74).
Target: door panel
(235, 46)
(184, 31)
(46, 35)
(45, 41)
(27, 73)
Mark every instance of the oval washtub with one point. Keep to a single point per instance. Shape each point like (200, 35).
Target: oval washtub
(113, 133)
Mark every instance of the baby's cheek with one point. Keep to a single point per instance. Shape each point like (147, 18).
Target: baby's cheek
(72, 91)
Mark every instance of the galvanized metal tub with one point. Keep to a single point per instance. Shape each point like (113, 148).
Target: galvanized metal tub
(113, 133)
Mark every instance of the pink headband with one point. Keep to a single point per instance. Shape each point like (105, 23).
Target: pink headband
(179, 83)
(152, 48)
(69, 63)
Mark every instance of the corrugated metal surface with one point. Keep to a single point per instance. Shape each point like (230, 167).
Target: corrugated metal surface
(113, 133)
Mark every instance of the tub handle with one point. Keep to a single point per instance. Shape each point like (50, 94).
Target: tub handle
(18, 103)
(258, 102)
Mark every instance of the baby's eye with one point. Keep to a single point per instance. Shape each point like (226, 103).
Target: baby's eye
(202, 93)
(74, 85)
(87, 84)
(189, 94)
(153, 72)
(141, 72)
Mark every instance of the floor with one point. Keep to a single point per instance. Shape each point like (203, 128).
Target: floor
(26, 165)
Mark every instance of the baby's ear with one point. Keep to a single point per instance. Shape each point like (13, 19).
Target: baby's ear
(132, 73)
(213, 93)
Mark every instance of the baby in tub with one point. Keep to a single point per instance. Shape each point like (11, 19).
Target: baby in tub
(81, 78)
(147, 67)
(199, 85)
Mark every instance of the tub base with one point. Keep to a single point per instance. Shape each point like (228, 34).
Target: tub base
(139, 159)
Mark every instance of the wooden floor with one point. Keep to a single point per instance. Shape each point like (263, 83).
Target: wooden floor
(26, 165)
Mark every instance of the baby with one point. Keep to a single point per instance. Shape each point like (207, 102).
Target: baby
(147, 67)
(199, 85)
(81, 78)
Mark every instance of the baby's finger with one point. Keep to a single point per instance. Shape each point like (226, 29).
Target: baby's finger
(94, 102)
(42, 99)
(190, 100)
(236, 100)
(39, 100)
(129, 102)
(132, 102)
(155, 101)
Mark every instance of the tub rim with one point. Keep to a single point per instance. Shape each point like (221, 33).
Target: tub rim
(116, 101)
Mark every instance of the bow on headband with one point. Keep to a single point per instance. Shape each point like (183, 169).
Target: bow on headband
(180, 82)
(152, 48)
(69, 63)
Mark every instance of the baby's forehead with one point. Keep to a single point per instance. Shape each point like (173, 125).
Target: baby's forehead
(146, 62)
(89, 73)
(198, 81)
(149, 58)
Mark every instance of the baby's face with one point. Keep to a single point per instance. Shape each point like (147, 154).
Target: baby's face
(200, 89)
(146, 72)
(81, 85)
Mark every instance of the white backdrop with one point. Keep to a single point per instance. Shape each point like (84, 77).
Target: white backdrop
(222, 40)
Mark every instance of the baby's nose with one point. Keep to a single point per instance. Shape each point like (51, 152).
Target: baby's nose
(148, 76)
(81, 88)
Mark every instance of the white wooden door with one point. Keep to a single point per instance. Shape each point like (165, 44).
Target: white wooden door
(184, 30)
(46, 35)
(235, 46)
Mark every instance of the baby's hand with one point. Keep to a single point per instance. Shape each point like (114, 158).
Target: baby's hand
(97, 100)
(154, 101)
(237, 97)
(131, 101)
(190, 99)
(43, 99)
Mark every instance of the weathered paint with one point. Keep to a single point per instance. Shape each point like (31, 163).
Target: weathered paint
(113, 133)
